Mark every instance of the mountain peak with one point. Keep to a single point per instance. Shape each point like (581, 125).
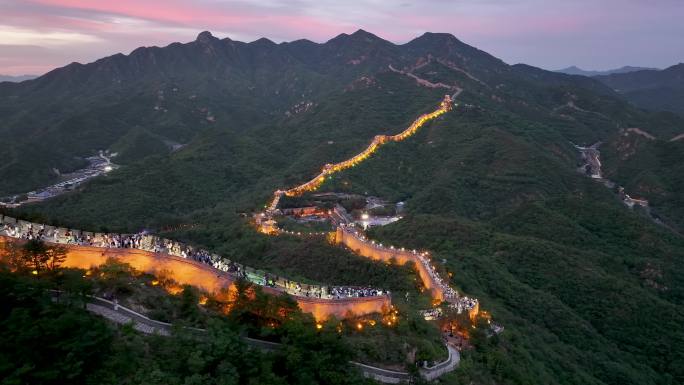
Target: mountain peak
(435, 39)
(441, 35)
(262, 41)
(360, 33)
(205, 37)
(358, 36)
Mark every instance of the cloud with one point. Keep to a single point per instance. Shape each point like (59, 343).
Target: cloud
(550, 33)
(21, 36)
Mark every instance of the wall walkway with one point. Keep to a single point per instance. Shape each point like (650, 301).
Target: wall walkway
(367, 249)
(187, 271)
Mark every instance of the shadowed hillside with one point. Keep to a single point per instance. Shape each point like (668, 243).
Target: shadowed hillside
(589, 291)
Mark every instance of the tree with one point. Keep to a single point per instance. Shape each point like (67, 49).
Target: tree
(33, 255)
(74, 286)
(56, 255)
(188, 306)
(44, 342)
(11, 253)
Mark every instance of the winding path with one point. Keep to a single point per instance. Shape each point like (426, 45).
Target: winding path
(438, 287)
(376, 143)
(123, 315)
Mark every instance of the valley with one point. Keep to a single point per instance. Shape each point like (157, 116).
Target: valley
(97, 165)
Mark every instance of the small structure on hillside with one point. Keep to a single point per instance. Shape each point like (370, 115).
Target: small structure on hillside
(269, 226)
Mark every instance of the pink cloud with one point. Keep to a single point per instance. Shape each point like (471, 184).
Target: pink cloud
(533, 31)
(173, 11)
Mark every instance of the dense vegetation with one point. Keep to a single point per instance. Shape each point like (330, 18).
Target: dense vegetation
(659, 90)
(44, 342)
(589, 292)
(248, 309)
(585, 286)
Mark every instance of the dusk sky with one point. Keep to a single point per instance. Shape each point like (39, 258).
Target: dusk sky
(39, 35)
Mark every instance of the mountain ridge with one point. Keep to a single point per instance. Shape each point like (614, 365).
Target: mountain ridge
(588, 290)
(574, 70)
(659, 90)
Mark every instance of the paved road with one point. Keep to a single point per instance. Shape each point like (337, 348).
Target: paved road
(123, 315)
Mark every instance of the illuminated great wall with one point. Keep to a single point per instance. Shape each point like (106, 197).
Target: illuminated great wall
(375, 144)
(355, 241)
(187, 271)
(191, 272)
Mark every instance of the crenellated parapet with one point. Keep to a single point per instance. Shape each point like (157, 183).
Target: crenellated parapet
(331, 168)
(352, 239)
(193, 266)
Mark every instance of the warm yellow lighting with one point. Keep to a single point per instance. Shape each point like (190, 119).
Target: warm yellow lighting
(319, 326)
(328, 169)
(359, 326)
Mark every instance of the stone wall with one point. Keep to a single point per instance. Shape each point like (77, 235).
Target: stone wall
(369, 250)
(186, 271)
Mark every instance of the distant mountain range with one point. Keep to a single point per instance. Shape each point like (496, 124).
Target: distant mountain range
(650, 88)
(18, 78)
(574, 70)
(661, 90)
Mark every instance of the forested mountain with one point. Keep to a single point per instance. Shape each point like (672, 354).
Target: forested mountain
(658, 90)
(589, 291)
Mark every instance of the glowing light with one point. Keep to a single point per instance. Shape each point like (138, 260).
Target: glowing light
(359, 326)
(319, 326)
(108, 168)
(328, 169)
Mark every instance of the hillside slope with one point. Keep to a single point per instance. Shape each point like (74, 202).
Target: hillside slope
(589, 292)
(659, 90)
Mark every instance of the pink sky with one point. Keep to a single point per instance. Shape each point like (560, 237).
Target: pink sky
(39, 35)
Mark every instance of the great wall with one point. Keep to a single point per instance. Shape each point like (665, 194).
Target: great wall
(183, 270)
(214, 273)
(376, 143)
(346, 234)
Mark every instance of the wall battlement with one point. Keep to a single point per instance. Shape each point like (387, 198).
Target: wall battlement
(369, 250)
(186, 271)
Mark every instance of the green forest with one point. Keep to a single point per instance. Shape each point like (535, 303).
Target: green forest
(588, 290)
